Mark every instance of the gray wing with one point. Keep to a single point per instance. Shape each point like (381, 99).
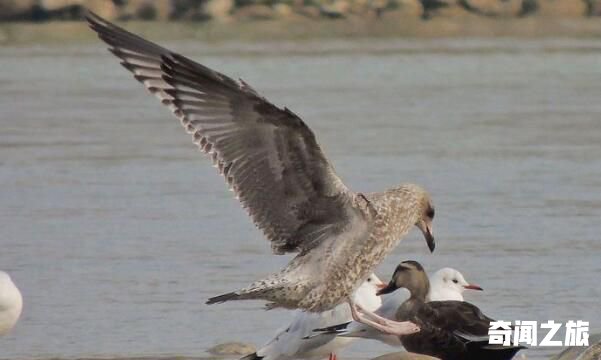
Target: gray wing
(268, 156)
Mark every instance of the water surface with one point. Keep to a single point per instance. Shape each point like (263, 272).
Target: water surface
(117, 230)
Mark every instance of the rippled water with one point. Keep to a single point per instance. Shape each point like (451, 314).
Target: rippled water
(117, 230)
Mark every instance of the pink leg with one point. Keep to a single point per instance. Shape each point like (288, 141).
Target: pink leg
(382, 324)
(371, 316)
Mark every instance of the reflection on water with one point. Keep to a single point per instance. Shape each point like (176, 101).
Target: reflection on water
(117, 230)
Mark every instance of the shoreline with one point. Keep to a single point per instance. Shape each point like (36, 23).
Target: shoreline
(389, 26)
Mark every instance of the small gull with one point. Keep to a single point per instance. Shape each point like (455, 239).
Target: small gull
(446, 284)
(11, 303)
(271, 160)
(450, 330)
(289, 343)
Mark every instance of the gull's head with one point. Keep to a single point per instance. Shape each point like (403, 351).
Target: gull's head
(420, 200)
(410, 275)
(449, 284)
(372, 282)
(366, 294)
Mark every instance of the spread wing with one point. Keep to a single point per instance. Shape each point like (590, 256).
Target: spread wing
(268, 156)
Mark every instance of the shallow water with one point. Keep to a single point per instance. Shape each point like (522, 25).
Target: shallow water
(117, 230)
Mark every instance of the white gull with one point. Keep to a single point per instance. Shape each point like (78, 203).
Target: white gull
(11, 303)
(289, 343)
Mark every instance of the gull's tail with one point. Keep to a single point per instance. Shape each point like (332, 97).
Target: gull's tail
(334, 329)
(270, 289)
(353, 329)
(223, 298)
(338, 330)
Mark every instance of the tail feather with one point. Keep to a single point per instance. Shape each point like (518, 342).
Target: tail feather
(266, 289)
(333, 328)
(338, 330)
(223, 298)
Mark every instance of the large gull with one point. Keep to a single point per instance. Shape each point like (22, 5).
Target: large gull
(11, 303)
(290, 343)
(271, 160)
(446, 284)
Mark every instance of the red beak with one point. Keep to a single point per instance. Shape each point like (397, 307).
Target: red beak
(381, 286)
(473, 287)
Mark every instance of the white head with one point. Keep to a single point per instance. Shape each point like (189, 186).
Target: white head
(11, 303)
(448, 284)
(365, 295)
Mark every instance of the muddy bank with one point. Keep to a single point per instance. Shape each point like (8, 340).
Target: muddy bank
(272, 30)
(244, 10)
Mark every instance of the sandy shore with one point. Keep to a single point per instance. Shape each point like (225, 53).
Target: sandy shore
(388, 26)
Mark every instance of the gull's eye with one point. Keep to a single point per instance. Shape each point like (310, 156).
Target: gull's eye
(430, 213)
(368, 279)
(455, 281)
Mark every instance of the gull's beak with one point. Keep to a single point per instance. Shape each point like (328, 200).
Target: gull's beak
(473, 287)
(381, 286)
(426, 229)
(386, 288)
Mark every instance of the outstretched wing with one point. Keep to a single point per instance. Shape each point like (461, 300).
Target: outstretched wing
(268, 156)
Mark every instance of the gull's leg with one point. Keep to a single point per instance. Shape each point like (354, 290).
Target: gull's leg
(332, 356)
(389, 326)
(372, 316)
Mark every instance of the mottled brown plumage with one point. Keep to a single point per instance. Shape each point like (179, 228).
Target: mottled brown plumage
(272, 161)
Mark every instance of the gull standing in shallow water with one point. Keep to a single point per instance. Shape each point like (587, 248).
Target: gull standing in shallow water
(11, 303)
(290, 343)
(271, 160)
(446, 284)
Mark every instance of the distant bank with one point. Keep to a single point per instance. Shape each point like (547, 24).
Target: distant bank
(232, 10)
(26, 21)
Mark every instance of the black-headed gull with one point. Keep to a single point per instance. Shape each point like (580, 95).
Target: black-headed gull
(448, 284)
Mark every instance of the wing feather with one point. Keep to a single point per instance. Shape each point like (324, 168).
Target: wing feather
(268, 156)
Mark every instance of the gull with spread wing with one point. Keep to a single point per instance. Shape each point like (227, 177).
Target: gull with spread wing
(271, 159)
